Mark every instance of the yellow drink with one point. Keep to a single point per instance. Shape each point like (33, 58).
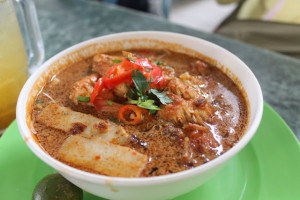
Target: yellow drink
(13, 63)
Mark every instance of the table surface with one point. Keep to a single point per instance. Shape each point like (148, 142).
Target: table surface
(64, 23)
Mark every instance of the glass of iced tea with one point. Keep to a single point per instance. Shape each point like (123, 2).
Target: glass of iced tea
(16, 59)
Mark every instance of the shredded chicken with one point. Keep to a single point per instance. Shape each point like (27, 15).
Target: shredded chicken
(187, 153)
(200, 137)
(186, 86)
(178, 87)
(182, 111)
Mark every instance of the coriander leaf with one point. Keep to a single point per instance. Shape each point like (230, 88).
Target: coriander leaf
(117, 61)
(151, 80)
(132, 102)
(110, 103)
(144, 97)
(130, 92)
(140, 81)
(148, 104)
(130, 59)
(152, 112)
(38, 101)
(163, 98)
(83, 99)
(159, 63)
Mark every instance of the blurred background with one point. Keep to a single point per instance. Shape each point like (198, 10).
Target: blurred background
(270, 24)
(204, 15)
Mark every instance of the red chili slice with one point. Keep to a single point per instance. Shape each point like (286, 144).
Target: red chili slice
(121, 73)
(158, 77)
(98, 87)
(149, 70)
(132, 114)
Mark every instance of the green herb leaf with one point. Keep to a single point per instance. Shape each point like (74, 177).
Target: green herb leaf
(148, 104)
(152, 112)
(130, 93)
(132, 102)
(130, 59)
(159, 63)
(83, 99)
(151, 79)
(110, 103)
(144, 97)
(163, 98)
(117, 61)
(38, 101)
(169, 66)
(140, 81)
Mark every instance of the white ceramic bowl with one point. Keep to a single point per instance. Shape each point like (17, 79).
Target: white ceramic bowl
(161, 187)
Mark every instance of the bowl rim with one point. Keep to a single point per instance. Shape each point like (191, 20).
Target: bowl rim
(122, 181)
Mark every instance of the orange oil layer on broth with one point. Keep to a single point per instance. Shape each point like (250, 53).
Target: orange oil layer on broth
(169, 146)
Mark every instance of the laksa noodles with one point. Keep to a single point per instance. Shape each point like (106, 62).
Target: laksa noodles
(139, 113)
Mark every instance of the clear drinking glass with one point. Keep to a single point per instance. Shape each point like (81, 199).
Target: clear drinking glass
(16, 60)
